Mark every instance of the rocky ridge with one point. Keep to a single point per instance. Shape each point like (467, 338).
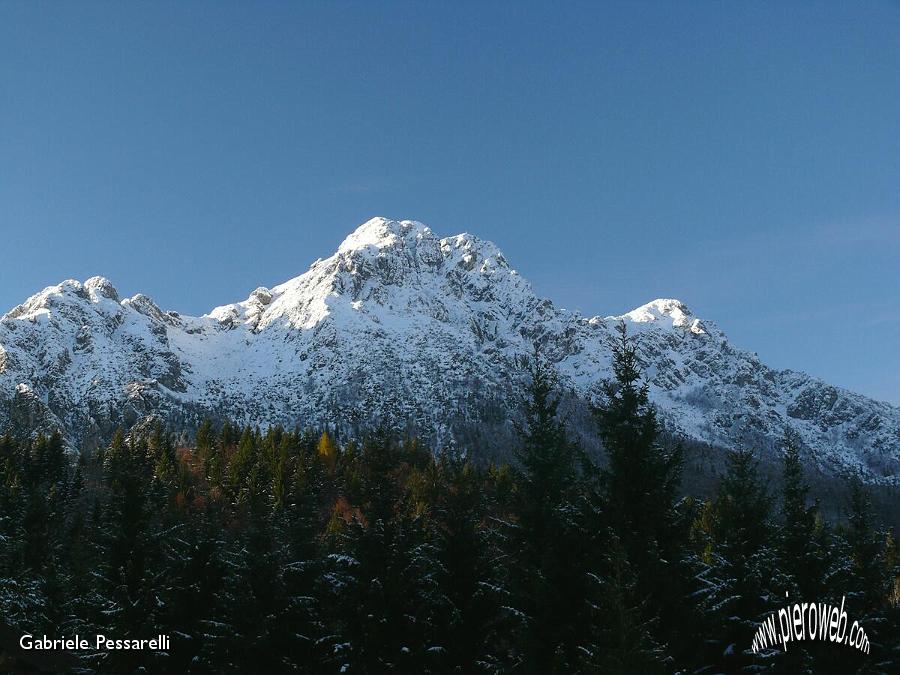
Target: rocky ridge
(403, 326)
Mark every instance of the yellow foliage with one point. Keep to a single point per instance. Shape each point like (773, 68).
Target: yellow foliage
(327, 451)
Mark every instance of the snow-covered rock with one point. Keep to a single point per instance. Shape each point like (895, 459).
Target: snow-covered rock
(404, 326)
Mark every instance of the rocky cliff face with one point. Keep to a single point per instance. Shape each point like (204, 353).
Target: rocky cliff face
(403, 326)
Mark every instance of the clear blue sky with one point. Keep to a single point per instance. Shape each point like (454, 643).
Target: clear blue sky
(743, 157)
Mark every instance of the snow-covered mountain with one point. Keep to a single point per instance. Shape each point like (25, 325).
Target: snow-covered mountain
(400, 325)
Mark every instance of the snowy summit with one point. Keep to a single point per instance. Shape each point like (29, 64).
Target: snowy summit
(404, 326)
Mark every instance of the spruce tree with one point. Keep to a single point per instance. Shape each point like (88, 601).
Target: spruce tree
(743, 564)
(620, 636)
(382, 589)
(475, 580)
(241, 465)
(549, 566)
(643, 477)
(205, 446)
(801, 556)
(640, 485)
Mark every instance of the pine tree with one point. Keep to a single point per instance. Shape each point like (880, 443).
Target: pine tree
(475, 585)
(242, 464)
(549, 569)
(383, 585)
(383, 557)
(281, 474)
(866, 548)
(643, 477)
(254, 599)
(76, 552)
(206, 446)
(620, 640)
(191, 591)
(545, 456)
(742, 562)
(640, 485)
(129, 567)
(801, 556)
(162, 455)
(300, 629)
(863, 578)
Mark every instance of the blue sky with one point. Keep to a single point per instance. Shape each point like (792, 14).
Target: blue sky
(743, 157)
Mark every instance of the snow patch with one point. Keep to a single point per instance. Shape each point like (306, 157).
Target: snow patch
(666, 311)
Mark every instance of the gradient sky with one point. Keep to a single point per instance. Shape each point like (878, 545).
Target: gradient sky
(743, 157)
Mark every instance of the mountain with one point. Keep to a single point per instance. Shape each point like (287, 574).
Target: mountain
(402, 326)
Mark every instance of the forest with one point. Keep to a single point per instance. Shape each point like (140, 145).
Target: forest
(270, 551)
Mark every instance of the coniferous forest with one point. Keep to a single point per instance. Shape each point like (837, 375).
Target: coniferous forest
(268, 551)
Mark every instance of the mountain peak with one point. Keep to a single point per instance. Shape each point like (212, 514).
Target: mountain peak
(400, 323)
(667, 311)
(103, 287)
(382, 233)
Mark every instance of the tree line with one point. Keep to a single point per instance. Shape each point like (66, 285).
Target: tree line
(296, 551)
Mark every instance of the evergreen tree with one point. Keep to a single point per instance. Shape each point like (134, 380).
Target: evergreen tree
(382, 589)
(801, 556)
(129, 528)
(475, 581)
(743, 565)
(866, 549)
(640, 485)
(162, 455)
(549, 569)
(620, 640)
(206, 446)
(241, 465)
(190, 598)
(643, 477)
(860, 578)
(385, 557)
(545, 456)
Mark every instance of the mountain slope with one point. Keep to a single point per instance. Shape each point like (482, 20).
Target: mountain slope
(400, 325)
